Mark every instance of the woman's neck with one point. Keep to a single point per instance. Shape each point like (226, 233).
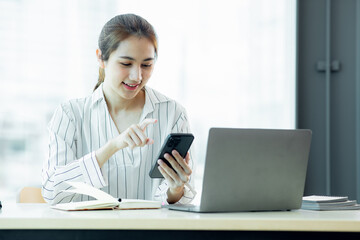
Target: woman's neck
(118, 104)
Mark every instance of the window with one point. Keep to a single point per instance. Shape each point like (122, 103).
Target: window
(230, 63)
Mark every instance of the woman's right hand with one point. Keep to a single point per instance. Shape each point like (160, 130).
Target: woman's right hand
(135, 135)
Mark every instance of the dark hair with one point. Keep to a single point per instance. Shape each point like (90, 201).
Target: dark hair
(118, 29)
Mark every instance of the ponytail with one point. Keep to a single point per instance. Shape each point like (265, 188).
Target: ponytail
(101, 78)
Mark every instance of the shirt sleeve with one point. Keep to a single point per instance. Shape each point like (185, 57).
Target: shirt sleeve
(181, 126)
(62, 164)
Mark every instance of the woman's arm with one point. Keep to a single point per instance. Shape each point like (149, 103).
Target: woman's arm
(133, 137)
(62, 164)
(177, 177)
(182, 194)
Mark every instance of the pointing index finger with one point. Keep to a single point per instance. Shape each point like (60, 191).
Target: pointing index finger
(146, 122)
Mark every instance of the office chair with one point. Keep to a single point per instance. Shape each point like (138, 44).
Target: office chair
(30, 195)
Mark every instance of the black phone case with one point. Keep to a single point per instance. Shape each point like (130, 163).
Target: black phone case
(181, 142)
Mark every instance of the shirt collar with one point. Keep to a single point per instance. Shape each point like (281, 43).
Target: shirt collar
(152, 97)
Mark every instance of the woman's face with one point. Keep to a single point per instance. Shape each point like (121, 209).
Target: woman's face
(129, 67)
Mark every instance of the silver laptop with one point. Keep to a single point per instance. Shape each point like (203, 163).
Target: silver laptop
(253, 170)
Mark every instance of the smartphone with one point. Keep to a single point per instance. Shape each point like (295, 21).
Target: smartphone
(180, 142)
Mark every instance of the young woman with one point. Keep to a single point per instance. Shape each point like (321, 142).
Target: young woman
(110, 139)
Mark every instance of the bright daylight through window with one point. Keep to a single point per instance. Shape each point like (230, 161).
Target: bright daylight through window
(229, 63)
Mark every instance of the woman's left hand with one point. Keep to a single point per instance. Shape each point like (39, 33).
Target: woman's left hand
(176, 177)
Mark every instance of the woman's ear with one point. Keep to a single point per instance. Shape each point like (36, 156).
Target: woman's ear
(99, 58)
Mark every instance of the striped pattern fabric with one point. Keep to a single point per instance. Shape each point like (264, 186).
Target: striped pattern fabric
(81, 126)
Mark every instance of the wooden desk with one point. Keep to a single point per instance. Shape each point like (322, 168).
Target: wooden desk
(18, 221)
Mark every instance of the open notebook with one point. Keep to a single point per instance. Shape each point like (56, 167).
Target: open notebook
(103, 200)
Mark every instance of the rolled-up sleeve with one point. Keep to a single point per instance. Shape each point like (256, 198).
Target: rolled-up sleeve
(62, 164)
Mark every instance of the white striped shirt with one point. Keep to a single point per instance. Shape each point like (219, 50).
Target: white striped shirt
(81, 126)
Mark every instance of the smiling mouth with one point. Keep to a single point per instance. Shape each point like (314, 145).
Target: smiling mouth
(131, 87)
